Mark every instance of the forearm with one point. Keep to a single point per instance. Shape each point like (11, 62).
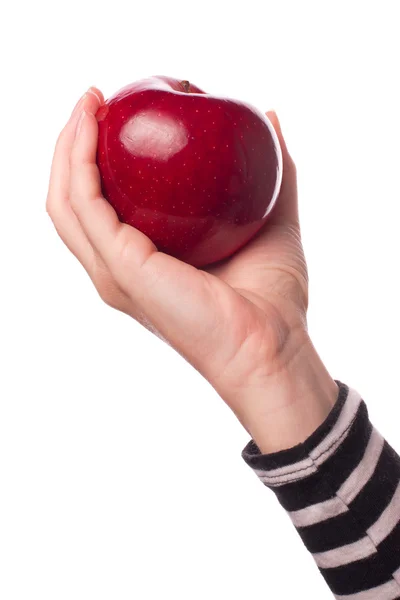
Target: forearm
(333, 473)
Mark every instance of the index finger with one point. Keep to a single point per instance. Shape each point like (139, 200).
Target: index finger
(112, 239)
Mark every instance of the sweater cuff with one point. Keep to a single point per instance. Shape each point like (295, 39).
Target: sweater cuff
(341, 489)
(303, 460)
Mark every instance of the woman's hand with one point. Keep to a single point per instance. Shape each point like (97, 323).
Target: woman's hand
(241, 323)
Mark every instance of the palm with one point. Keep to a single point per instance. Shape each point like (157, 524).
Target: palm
(271, 267)
(255, 298)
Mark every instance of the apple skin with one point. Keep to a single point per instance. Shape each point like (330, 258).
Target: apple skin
(198, 174)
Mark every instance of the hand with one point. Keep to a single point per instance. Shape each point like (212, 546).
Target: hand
(241, 323)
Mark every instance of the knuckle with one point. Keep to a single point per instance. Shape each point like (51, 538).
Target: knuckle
(106, 297)
(107, 288)
(107, 293)
(49, 207)
(52, 210)
(125, 246)
(130, 253)
(61, 138)
(113, 298)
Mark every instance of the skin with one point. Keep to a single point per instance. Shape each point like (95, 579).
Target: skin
(241, 323)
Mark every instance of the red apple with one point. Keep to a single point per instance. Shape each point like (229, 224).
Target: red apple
(198, 174)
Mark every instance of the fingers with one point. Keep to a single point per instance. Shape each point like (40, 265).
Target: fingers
(286, 209)
(57, 202)
(117, 243)
(59, 177)
(161, 288)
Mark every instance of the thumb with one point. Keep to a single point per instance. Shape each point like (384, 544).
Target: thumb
(286, 209)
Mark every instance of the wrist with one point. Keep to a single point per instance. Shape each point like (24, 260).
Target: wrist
(283, 408)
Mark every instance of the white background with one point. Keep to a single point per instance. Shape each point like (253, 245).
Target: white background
(120, 468)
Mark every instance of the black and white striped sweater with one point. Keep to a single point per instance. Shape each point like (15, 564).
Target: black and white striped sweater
(341, 488)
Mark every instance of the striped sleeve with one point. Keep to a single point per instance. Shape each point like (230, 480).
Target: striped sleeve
(341, 489)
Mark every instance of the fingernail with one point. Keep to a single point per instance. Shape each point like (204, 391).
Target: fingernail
(93, 91)
(79, 124)
(78, 104)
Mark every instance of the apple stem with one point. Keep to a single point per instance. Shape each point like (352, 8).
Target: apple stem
(186, 86)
